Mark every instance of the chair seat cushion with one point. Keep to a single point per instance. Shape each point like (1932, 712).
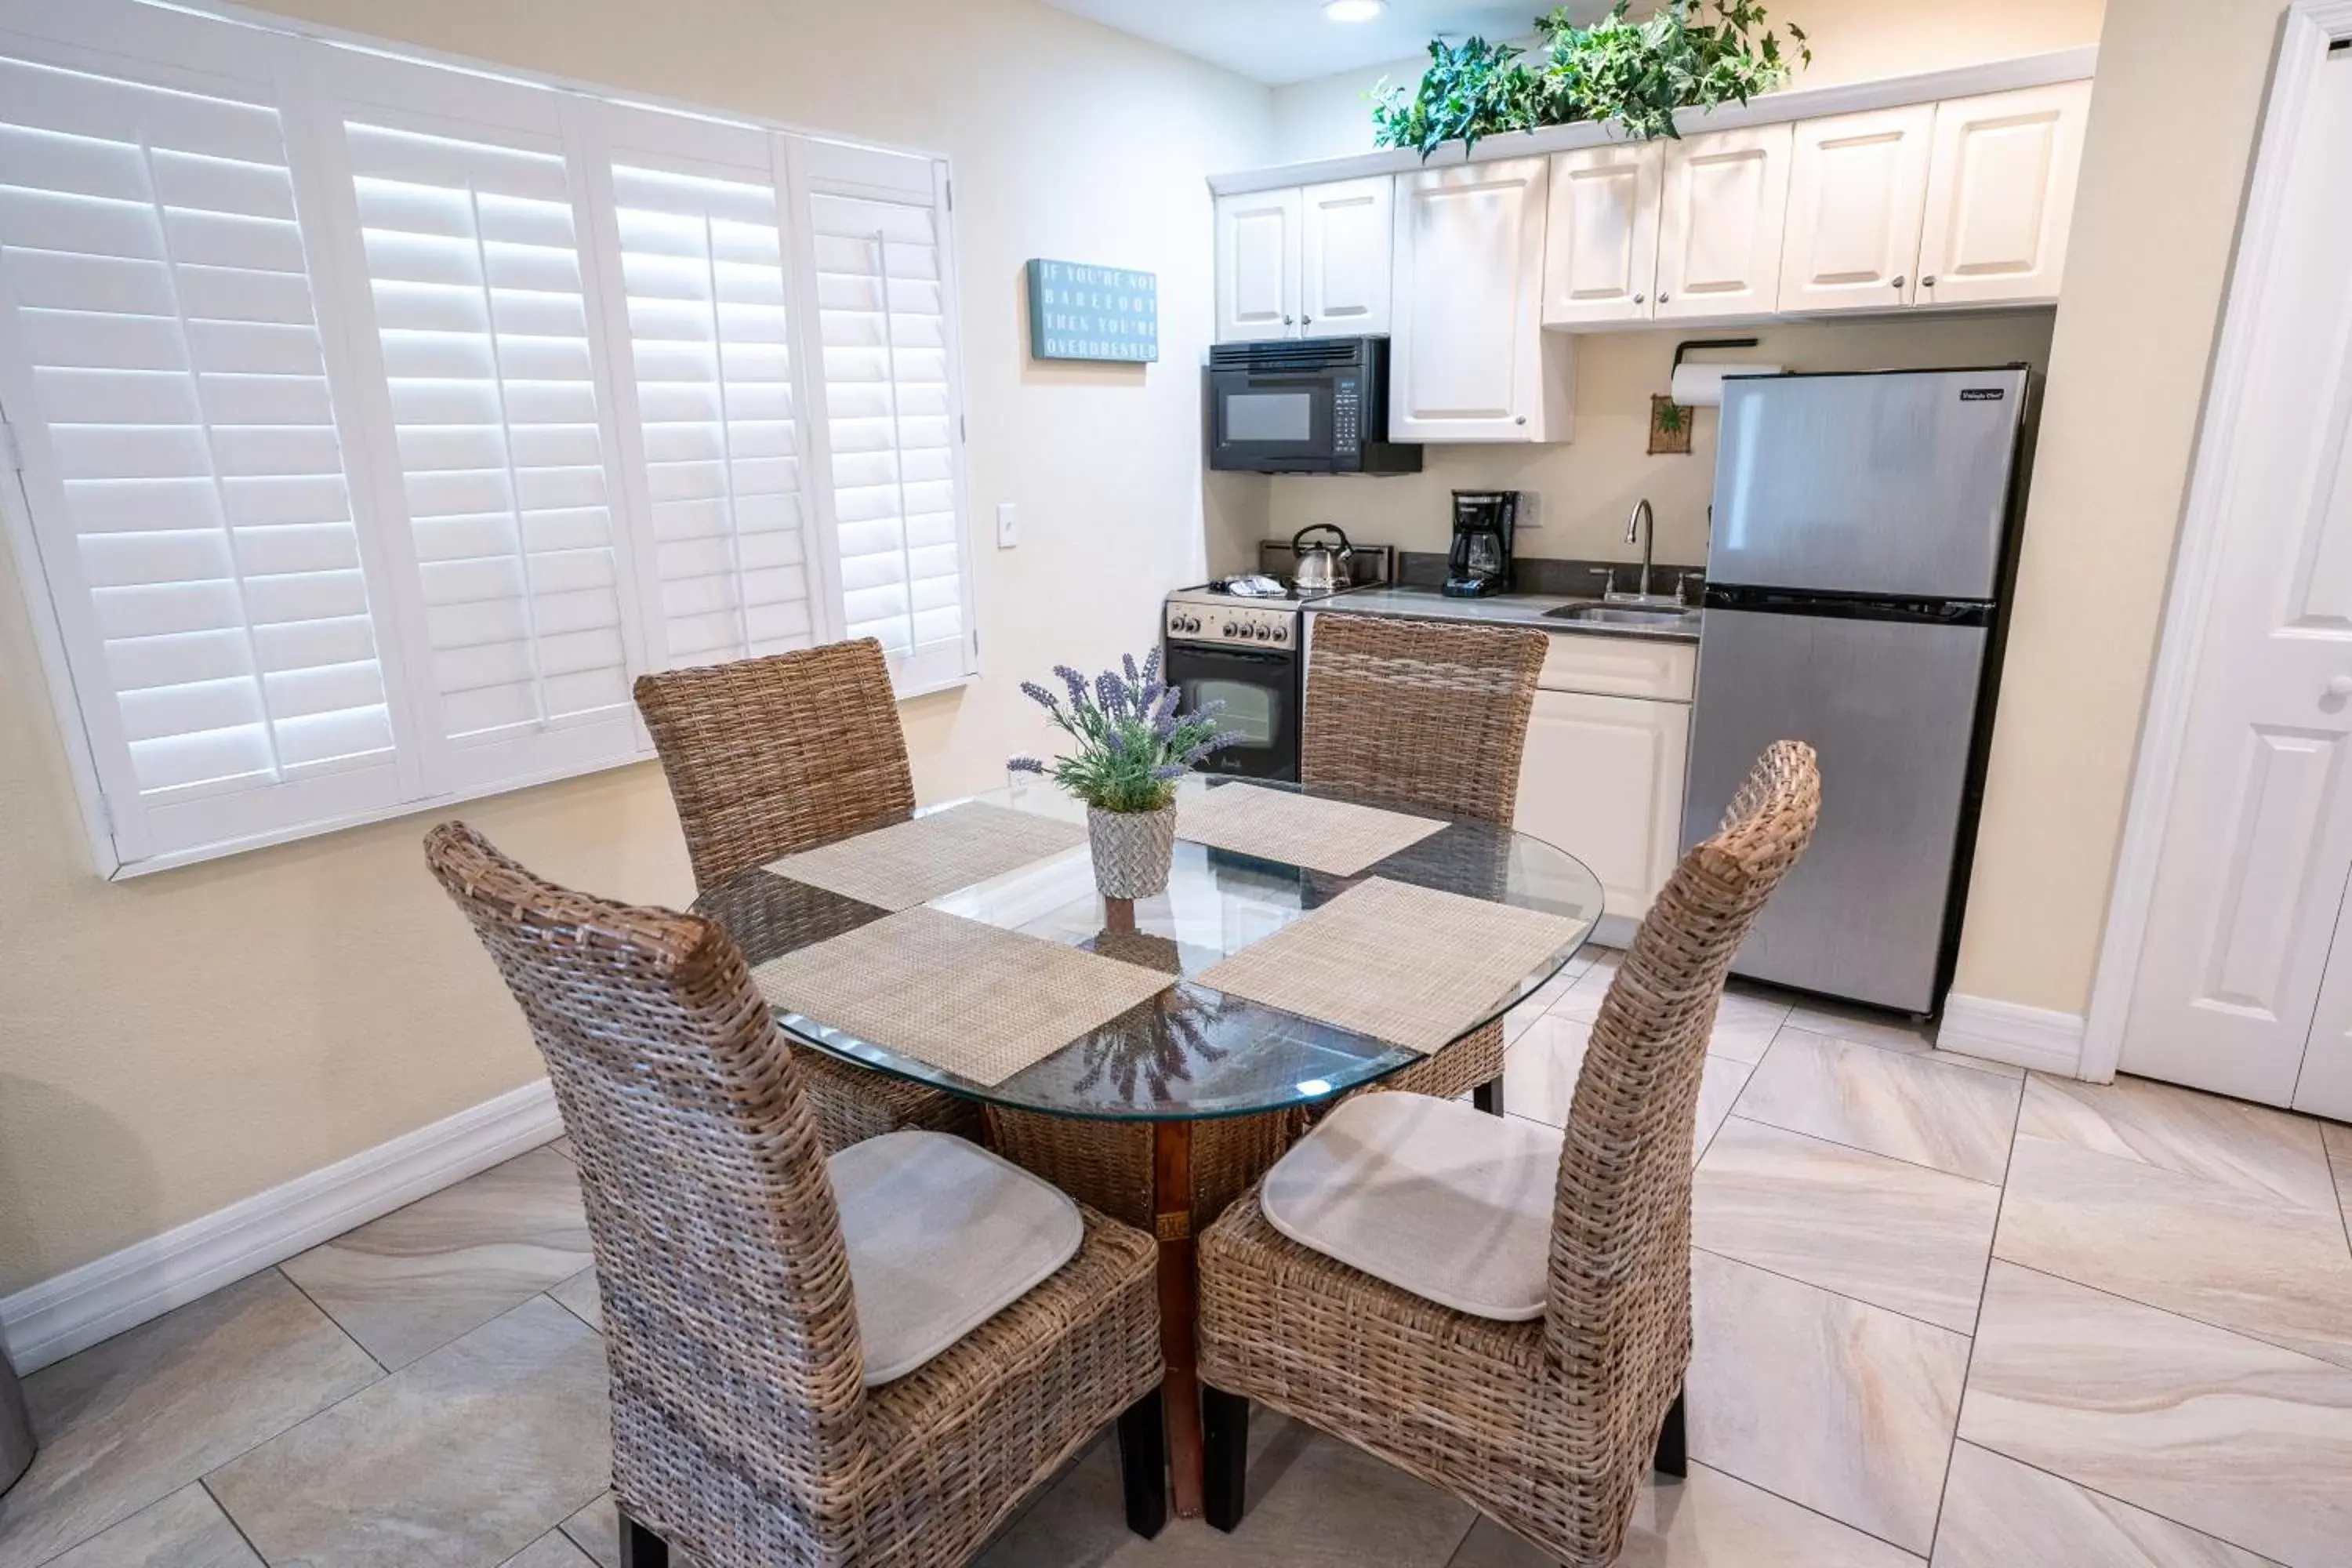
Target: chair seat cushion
(1432, 1195)
(941, 1236)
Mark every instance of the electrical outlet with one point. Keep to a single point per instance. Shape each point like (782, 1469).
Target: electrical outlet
(1008, 526)
(1531, 511)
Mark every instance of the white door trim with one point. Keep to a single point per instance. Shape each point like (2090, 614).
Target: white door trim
(2309, 28)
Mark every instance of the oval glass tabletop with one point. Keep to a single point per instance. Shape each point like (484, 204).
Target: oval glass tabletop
(1191, 1051)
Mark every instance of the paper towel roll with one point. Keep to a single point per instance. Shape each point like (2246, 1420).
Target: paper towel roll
(1701, 385)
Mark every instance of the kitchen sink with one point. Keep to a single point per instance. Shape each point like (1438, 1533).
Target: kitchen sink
(1620, 615)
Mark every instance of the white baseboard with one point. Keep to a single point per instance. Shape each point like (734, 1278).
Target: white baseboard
(50, 1321)
(2035, 1037)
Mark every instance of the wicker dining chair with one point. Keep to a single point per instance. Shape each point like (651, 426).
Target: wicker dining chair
(744, 1432)
(1547, 1425)
(1432, 715)
(769, 756)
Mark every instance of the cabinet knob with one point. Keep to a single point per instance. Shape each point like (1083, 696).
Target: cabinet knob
(1638, 297)
(2340, 686)
(1520, 420)
(1304, 320)
(1288, 321)
(1897, 282)
(1928, 281)
(1663, 296)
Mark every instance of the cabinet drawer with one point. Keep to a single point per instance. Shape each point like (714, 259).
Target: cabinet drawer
(1620, 666)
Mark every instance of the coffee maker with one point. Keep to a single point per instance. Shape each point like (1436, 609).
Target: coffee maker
(1481, 559)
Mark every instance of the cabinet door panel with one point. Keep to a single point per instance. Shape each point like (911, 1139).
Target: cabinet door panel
(1257, 264)
(1724, 209)
(2001, 193)
(1601, 778)
(1858, 192)
(1467, 360)
(1600, 244)
(1344, 273)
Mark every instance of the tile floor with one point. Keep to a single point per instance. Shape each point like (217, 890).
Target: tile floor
(1947, 1314)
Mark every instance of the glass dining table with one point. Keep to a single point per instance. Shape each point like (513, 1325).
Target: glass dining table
(1191, 1052)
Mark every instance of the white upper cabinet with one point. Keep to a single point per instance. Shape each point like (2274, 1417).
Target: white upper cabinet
(2000, 189)
(1257, 264)
(1722, 209)
(1344, 270)
(1857, 188)
(1468, 359)
(1601, 247)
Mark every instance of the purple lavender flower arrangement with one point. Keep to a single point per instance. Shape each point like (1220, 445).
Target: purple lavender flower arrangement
(1133, 744)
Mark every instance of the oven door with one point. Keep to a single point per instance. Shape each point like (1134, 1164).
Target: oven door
(1259, 688)
(1271, 423)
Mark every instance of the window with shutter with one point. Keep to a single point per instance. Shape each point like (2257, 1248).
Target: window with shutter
(477, 289)
(702, 269)
(878, 266)
(167, 363)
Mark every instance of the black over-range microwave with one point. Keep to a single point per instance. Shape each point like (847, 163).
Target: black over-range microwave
(1304, 406)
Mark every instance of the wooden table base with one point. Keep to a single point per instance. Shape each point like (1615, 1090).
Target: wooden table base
(1172, 1205)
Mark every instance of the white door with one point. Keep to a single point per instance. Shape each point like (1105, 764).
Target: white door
(1601, 778)
(1344, 271)
(1601, 239)
(1857, 190)
(1466, 357)
(2242, 986)
(1257, 264)
(1723, 211)
(2001, 193)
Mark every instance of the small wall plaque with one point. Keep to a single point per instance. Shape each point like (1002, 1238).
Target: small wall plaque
(1093, 312)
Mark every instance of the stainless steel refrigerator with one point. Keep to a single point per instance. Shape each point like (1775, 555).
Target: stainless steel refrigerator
(1860, 551)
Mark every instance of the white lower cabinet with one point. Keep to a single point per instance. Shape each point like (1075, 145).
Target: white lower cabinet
(1602, 775)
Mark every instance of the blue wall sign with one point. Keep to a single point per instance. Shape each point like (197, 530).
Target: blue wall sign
(1092, 313)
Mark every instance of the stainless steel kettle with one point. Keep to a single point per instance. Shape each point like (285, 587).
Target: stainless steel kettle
(1320, 568)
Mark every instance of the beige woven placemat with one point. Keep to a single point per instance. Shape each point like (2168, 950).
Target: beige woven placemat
(1335, 835)
(909, 863)
(1411, 965)
(972, 998)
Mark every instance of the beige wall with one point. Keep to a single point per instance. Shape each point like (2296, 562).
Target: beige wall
(1588, 485)
(173, 1045)
(1854, 40)
(2154, 226)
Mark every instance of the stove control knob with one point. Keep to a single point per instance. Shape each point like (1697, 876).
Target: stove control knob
(1262, 633)
(1229, 629)
(1282, 634)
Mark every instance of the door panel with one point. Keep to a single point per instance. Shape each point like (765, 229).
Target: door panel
(1857, 190)
(1601, 778)
(1600, 245)
(1466, 363)
(1890, 707)
(1724, 211)
(1258, 266)
(2239, 986)
(2000, 194)
(1344, 270)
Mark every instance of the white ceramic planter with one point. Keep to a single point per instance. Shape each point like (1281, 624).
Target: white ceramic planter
(1133, 850)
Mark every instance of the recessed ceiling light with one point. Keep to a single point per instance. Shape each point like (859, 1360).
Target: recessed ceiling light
(1353, 10)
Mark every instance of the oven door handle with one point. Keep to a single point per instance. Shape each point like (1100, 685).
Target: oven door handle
(1233, 651)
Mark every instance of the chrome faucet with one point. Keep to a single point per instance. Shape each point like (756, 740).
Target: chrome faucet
(1642, 526)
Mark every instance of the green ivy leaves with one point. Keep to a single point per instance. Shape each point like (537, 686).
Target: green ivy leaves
(1634, 73)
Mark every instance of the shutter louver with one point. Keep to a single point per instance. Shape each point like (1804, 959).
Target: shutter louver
(883, 322)
(163, 307)
(475, 273)
(702, 269)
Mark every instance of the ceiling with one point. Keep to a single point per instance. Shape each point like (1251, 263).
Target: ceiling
(1280, 41)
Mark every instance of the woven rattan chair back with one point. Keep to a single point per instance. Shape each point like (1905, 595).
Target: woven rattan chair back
(1420, 713)
(767, 756)
(1618, 1321)
(729, 1321)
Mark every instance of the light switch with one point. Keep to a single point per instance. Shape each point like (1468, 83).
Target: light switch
(1008, 526)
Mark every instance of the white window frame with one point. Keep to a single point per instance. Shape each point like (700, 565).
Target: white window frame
(309, 76)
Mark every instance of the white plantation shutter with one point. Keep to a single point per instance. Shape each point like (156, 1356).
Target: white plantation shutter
(478, 296)
(380, 420)
(166, 362)
(879, 266)
(702, 269)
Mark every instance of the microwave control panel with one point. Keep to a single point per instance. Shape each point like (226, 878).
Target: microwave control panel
(1249, 624)
(1346, 413)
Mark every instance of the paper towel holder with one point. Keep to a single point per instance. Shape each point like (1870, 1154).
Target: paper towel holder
(1670, 422)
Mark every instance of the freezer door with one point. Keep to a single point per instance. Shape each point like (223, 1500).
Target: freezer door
(1894, 485)
(1890, 708)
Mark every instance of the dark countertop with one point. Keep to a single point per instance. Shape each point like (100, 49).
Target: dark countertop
(1498, 609)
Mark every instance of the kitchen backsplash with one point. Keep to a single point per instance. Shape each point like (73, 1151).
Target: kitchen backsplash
(1583, 492)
